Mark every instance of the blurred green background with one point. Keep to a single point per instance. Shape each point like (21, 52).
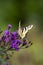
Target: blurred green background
(29, 12)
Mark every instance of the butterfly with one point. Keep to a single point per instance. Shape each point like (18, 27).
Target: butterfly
(22, 33)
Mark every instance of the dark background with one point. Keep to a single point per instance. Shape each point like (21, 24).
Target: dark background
(11, 11)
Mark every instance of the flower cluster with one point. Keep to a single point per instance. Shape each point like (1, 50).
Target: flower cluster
(10, 40)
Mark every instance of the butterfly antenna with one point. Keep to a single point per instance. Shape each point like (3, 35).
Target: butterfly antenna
(20, 24)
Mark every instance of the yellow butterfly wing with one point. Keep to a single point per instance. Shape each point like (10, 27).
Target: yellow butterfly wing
(24, 32)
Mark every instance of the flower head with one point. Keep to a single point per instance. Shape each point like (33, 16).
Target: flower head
(15, 44)
(7, 32)
(9, 26)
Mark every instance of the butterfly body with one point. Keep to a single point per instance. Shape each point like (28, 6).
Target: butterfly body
(23, 32)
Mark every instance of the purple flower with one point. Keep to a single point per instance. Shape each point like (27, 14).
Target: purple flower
(14, 35)
(9, 26)
(8, 39)
(7, 32)
(24, 43)
(16, 47)
(12, 38)
(19, 42)
(15, 44)
(3, 38)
